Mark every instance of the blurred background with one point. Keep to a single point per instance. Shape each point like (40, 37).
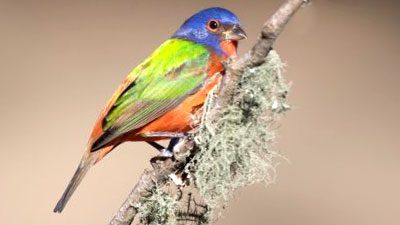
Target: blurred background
(61, 60)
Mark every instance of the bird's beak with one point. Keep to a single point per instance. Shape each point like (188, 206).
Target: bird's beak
(235, 33)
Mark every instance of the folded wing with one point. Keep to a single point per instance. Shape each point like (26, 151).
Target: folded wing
(173, 72)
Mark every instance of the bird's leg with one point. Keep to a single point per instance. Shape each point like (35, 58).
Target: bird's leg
(156, 145)
(180, 178)
(172, 144)
(165, 153)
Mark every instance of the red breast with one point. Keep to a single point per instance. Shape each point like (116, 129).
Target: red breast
(180, 118)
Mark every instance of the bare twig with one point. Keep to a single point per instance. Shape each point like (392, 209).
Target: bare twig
(256, 56)
(271, 30)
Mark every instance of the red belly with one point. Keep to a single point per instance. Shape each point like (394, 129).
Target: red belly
(179, 120)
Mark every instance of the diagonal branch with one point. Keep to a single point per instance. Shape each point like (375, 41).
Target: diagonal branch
(272, 29)
(255, 57)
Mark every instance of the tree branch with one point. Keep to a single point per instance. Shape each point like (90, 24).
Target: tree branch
(272, 29)
(255, 57)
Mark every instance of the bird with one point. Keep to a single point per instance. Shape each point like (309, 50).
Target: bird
(159, 97)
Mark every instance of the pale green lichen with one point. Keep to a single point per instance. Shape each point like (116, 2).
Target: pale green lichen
(236, 149)
(158, 208)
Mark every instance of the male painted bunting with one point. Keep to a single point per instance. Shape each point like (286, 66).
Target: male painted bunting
(159, 97)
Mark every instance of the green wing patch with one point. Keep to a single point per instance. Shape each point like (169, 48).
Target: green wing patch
(172, 73)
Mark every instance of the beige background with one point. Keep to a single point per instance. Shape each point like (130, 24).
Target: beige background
(61, 60)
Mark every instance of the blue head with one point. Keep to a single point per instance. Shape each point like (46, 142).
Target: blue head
(211, 27)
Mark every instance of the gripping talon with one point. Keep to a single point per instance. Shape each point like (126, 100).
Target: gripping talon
(165, 153)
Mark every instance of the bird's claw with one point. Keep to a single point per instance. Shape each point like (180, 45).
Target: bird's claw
(165, 153)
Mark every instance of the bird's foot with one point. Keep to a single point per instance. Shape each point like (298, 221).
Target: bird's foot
(162, 156)
(165, 153)
(180, 178)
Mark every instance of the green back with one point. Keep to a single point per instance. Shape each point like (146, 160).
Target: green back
(173, 72)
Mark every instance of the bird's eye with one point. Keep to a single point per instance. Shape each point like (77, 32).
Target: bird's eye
(213, 25)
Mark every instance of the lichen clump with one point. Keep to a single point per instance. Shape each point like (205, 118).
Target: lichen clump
(158, 208)
(236, 149)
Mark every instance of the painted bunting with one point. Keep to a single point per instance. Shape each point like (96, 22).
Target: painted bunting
(159, 97)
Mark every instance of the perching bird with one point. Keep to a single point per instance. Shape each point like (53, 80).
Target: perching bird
(158, 98)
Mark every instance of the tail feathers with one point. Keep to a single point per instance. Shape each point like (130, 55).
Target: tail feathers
(80, 172)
